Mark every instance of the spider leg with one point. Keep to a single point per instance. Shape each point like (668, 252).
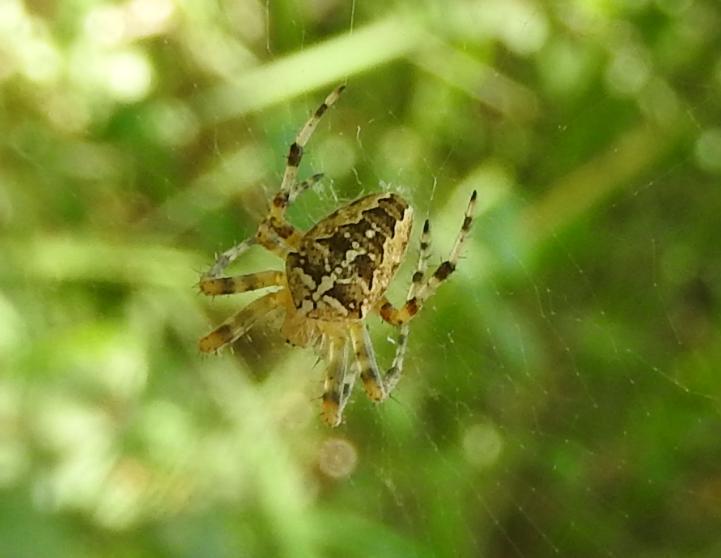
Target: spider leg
(348, 383)
(449, 266)
(238, 324)
(275, 230)
(399, 316)
(275, 233)
(213, 286)
(366, 362)
(269, 238)
(334, 383)
(298, 189)
(288, 188)
(227, 257)
(393, 374)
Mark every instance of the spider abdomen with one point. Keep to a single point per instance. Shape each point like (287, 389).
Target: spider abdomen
(346, 261)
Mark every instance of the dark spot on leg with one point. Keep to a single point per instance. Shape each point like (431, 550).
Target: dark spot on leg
(225, 332)
(417, 277)
(294, 155)
(283, 231)
(321, 110)
(331, 406)
(412, 306)
(227, 286)
(280, 199)
(444, 270)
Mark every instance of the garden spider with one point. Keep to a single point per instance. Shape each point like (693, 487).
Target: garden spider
(335, 275)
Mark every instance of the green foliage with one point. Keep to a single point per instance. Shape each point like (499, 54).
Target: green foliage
(562, 390)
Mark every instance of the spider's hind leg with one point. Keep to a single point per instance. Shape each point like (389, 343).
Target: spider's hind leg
(393, 374)
(399, 316)
(421, 290)
(366, 362)
(447, 267)
(334, 391)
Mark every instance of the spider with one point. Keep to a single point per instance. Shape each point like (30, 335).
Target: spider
(336, 274)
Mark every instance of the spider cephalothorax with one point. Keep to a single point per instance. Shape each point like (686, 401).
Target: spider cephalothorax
(335, 275)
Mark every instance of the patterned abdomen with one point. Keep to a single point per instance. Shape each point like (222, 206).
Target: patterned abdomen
(346, 261)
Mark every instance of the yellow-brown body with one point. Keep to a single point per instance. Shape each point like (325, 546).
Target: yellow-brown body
(345, 263)
(335, 275)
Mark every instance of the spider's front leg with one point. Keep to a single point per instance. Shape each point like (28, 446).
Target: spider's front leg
(289, 187)
(275, 233)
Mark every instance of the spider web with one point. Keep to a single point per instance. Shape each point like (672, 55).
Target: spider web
(557, 397)
(560, 394)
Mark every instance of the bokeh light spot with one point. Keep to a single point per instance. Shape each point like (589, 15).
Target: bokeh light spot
(708, 150)
(151, 16)
(42, 62)
(523, 27)
(172, 123)
(628, 72)
(482, 444)
(128, 76)
(106, 25)
(337, 458)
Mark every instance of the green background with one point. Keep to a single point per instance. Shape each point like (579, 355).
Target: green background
(562, 391)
